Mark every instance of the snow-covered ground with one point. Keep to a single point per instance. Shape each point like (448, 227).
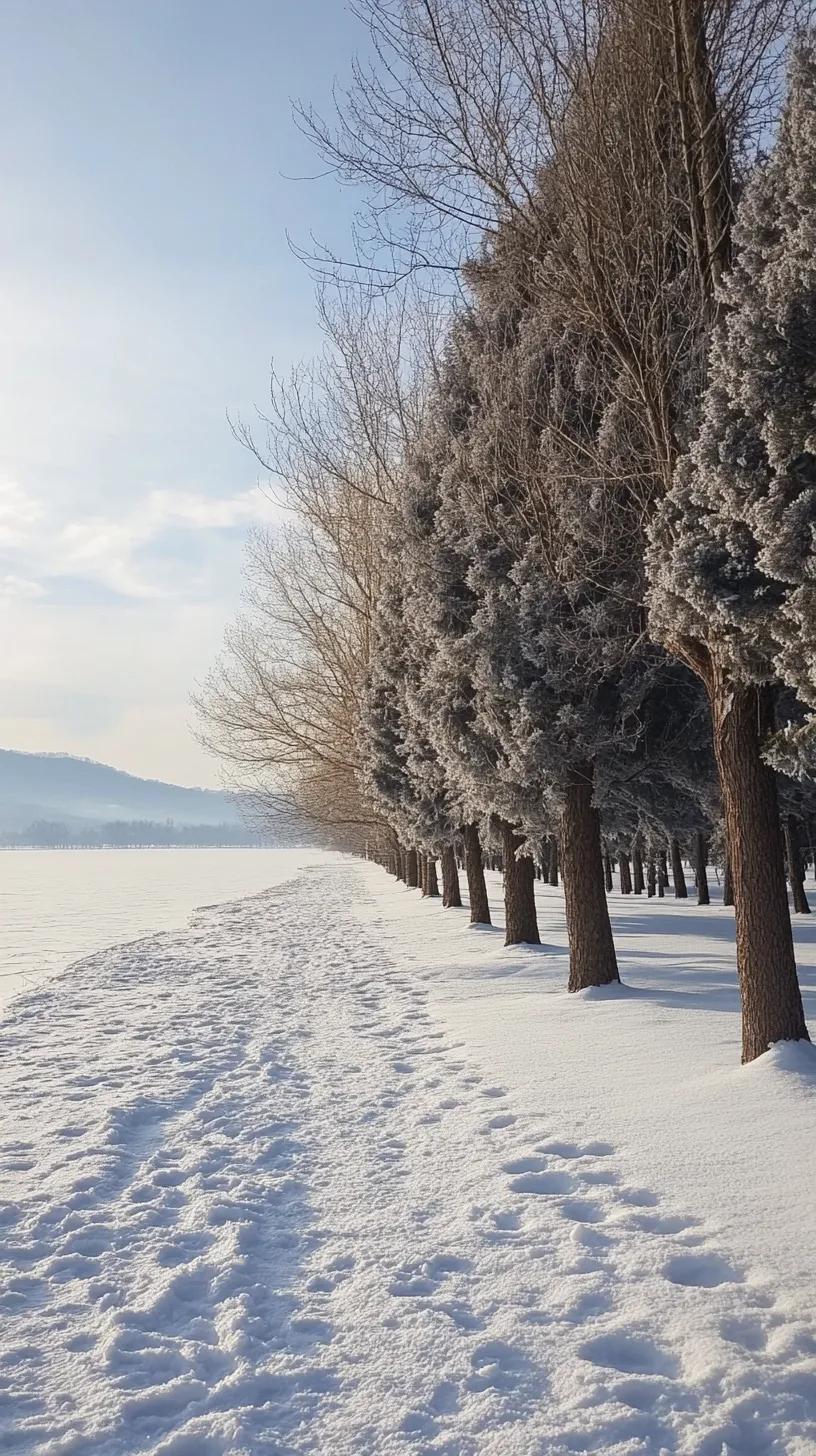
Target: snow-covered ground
(57, 905)
(331, 1172)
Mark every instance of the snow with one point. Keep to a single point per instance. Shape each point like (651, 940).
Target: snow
(327, 1173)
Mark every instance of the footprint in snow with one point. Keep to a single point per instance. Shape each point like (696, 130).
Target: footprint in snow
(496, 1364)
(582, 1210)
(525, 1165)
(542, 1183)
(630, 1354)
(747, 1333)
(558, 1149)
(637, 1197)
(701, 1271)
(420, 1280)
(652, 1394)
(506, 1220)
(656, 1223)
(420, 1424)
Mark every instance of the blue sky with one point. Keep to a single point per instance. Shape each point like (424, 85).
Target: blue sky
(148, 159)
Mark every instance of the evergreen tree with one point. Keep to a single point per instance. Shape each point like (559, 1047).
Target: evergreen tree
(732, 561)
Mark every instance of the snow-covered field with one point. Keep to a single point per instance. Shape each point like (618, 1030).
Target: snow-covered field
(59, 904)
(331, 1172)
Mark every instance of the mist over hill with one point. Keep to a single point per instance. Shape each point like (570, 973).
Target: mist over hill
(43, 793)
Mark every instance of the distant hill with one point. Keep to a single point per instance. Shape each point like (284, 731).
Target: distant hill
(82, 794)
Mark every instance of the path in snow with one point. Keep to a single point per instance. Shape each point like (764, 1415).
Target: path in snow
(256, 1202)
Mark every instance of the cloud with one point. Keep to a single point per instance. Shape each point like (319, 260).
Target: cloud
(20, 588)
(185, 508)
(38, 549)
(20, 513)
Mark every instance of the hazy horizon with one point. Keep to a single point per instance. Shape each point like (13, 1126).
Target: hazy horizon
(104, 763)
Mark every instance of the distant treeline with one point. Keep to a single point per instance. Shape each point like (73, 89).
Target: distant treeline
(45, 834)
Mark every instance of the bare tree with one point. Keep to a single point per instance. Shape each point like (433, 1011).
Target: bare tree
(282, 705)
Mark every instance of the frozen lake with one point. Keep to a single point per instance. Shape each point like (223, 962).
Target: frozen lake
(58, 905)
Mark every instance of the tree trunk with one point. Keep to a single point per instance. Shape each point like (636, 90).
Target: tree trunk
(637, 869)
(651, 877)
(412, 869)
(625, 874)
(519, 892)
(796, 870)
(701, 859)
(399, 859)
(431, 888)
(609, 883)
(591, 947)
(769, 987)
(474, 869)
(680, 891)
(728, 888)
(553, 865)
(705, 149)
(451, 898)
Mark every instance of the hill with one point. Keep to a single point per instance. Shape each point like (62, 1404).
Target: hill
(80, 793)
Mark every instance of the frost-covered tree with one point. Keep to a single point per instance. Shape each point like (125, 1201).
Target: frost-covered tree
(401, 771)
(438, 603)
(449, 604)
(733, 556)
(510, 630)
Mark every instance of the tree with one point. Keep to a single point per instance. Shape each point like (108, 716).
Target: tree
(732, 577)
(401, 773)
(282, 705)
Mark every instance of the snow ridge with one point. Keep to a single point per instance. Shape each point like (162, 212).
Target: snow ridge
(256, 1200)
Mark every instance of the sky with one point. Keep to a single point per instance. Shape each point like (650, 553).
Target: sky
(151, 170)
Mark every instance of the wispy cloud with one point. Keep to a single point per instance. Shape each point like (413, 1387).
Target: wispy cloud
(38, 549)
(20, 588)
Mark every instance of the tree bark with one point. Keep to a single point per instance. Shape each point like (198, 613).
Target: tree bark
(412, 869)
(625, 873)
(553, 865)
(591, 947)
(451, 898)
(637, 869)
(679, 878)
(399, 858)
(728, 888)
(651, 877)
(430, 883)
(701, 859)
(662, 874)
(609, 883)
(474, 869)
(521, 921)
(769, 986)
(705, 150)
(796, 869)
